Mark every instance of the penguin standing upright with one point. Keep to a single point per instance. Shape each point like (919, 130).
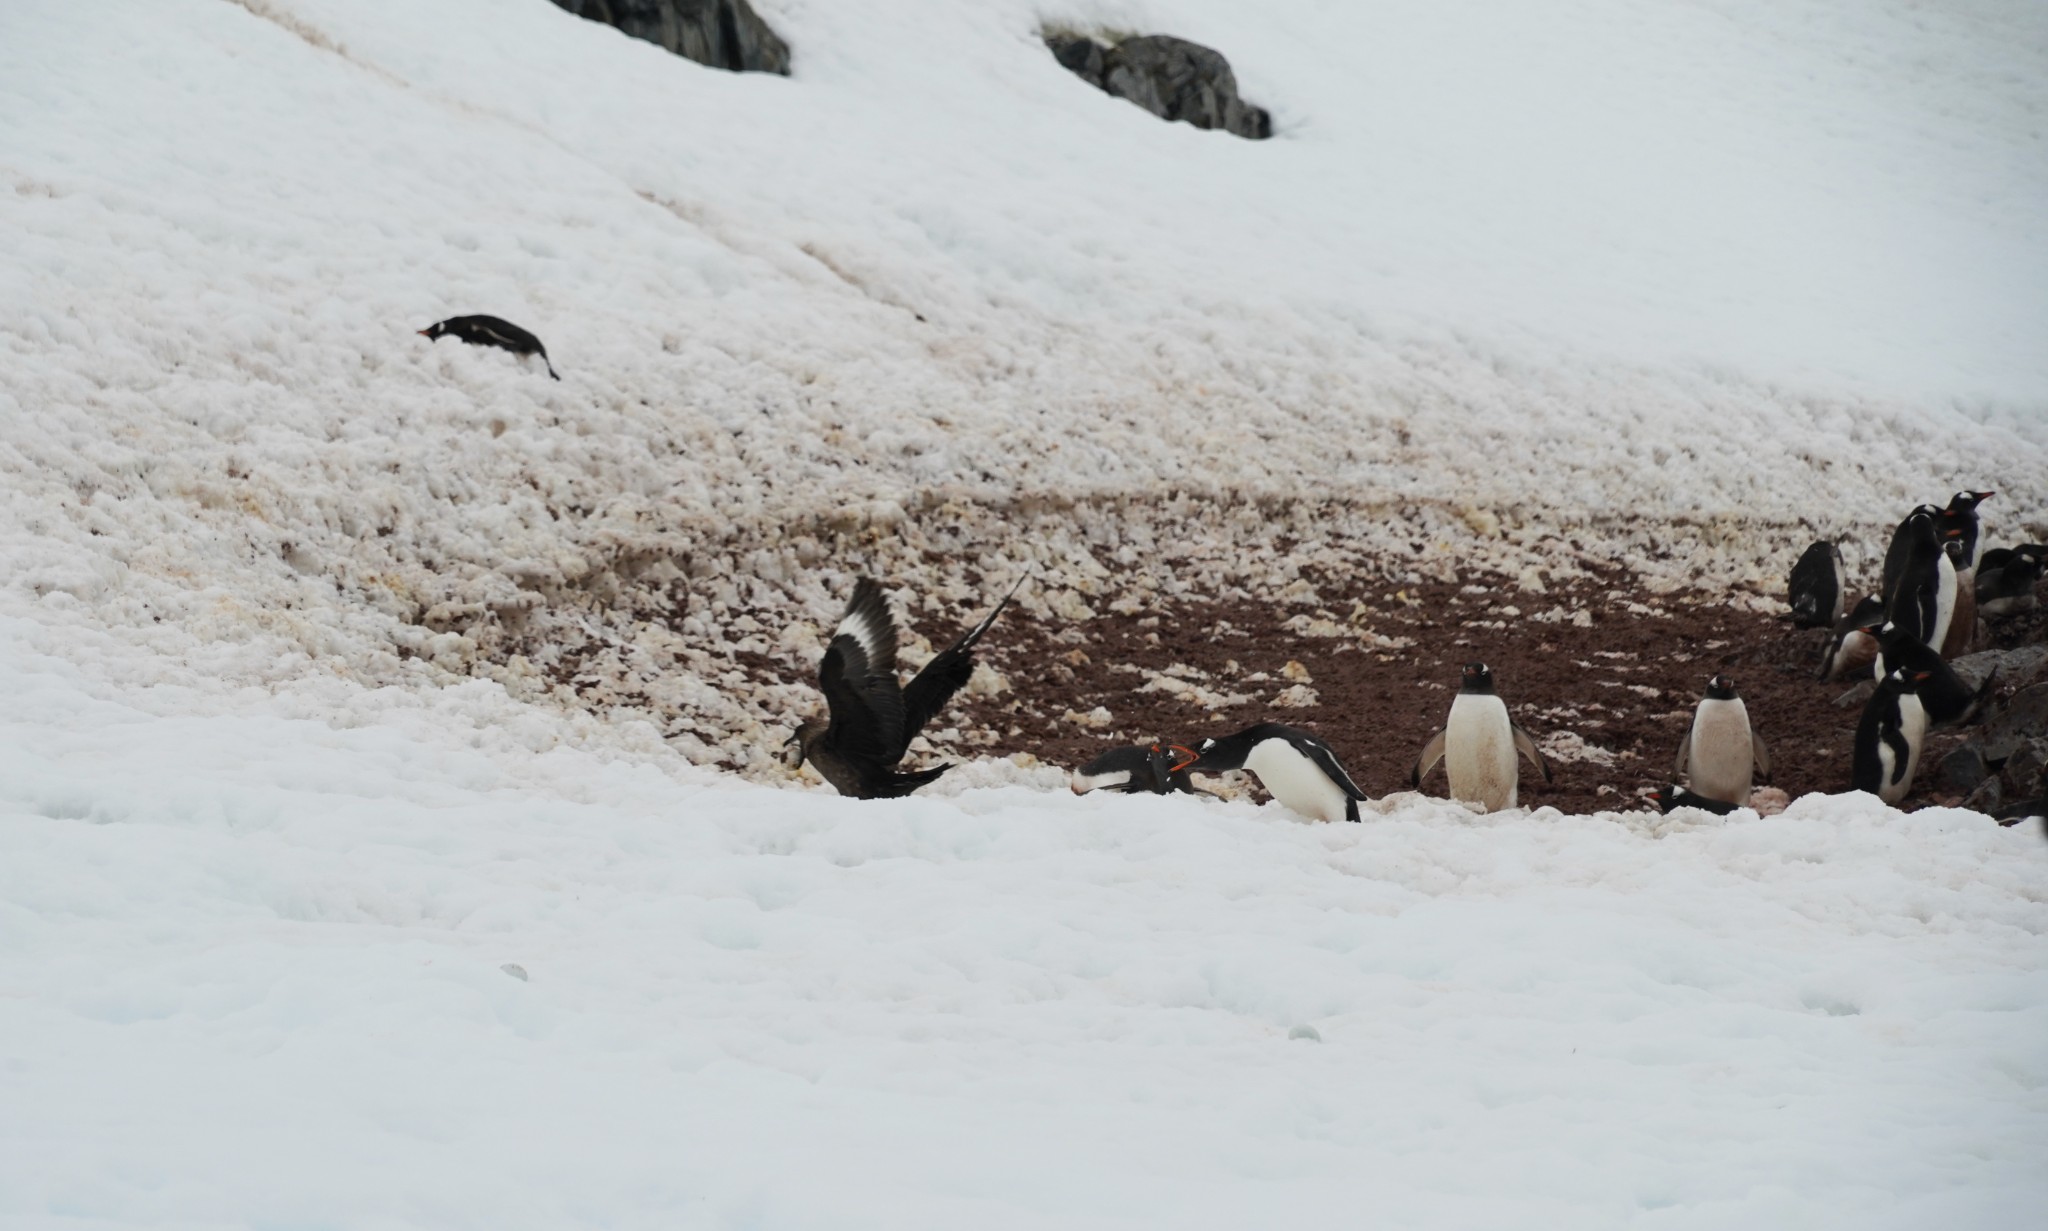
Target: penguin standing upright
(1853, 646)
(1295, 767)
(1889, 736)
(1922, 599)
(1901, 546)
(1815, 590)
(1478, 744)
(1962, 623)
(1722, 753)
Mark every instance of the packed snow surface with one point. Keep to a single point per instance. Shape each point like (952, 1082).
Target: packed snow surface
(354, 870)
(265, 971)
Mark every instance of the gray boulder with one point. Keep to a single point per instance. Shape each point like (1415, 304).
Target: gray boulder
(721, 33)
(1169, 77)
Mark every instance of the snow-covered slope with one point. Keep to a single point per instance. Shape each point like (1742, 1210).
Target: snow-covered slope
(287, 594)
(252, 974)
(1677, 287)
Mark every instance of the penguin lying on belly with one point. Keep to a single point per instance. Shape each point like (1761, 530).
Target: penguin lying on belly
(490, 331)
(1478, 746)
(1155, 769)
(1295, 767)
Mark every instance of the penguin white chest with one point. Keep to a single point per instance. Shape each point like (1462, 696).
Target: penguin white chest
(1479, 752)
(1913, 726)
(1944, 600)
(1720, 763)
(1297, 782)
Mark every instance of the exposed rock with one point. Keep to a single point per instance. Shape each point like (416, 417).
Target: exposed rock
(2026, 770)
(1170, 77)
(2017, 667)
(1987, 797)
(2018, 720)
(721, 33)
(1964, 768)
(1857, 695)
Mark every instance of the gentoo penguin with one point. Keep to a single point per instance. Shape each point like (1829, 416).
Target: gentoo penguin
(1156, 769)
(1958, 523)
(2007, 576)
(1923, 598)
(490, 331)
(1295, 767)
(1854, 646)
(1816, 591)
(1949, 701)
(873, 718)
(1676, 796)
(1901, 546)
(1888, 738)
(1478, 744)
(1721, 753)
(1962, 623)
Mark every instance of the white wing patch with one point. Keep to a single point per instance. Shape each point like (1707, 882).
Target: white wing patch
(864, 627)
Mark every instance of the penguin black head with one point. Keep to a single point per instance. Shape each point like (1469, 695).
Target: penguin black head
(1967, 502)
(1476, 678)
(434, 330)
(1178, 756)
(1721, 688)
(1953, 545)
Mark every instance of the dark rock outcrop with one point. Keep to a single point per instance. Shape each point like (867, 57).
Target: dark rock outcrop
(1170, 77)
(721, 33)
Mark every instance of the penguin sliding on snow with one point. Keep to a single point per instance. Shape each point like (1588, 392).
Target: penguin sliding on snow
(1157, 769)
(490, 331)
(1722, 753)
(1295, 767)
(1854, 646)
(1675, 796)
(1478, 745)
(1816, 591)
(1889, 737)
(871, 718)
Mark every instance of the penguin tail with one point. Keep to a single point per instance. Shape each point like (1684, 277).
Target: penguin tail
(551, 368)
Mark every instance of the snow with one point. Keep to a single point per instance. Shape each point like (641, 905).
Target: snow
(345, 670)
(253, 975)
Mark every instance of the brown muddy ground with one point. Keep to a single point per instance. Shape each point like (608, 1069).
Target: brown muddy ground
(1620, 670)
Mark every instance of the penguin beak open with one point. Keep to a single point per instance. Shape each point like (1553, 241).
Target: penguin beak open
(1187, 755)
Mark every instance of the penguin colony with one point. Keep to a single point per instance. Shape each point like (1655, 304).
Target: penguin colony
(1935, 585)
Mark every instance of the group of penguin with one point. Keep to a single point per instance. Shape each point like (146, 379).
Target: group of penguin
(871, 717)
(1934, 584)
(1924, 613)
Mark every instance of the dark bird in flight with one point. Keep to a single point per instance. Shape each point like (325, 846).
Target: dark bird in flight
(490, 331)
(871, 717)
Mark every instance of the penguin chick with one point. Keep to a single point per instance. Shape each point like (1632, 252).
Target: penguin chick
(2007, 577)
(1676, 796)
(1722, 753)
(1853, 647)
(1478, 744)
(1816, 591)
(871, 718)
(1295, 767)
(490, 331)
(1155, 769)
(1889, 737)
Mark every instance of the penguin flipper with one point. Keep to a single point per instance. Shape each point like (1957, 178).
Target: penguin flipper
(1902, 752)
(1678, 763)
(1432, 752)
(1527, 747)
(1333, 769)
(1760, 754)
